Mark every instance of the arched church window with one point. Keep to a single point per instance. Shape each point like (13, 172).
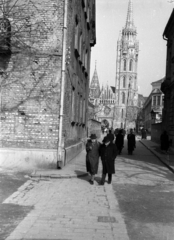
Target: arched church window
(122, 112)
(130, 82)
(131, 65)
(124, 81)
(123, 97)
(124, 64)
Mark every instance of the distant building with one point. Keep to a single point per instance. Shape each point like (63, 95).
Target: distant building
(126, 75)
(153, 102)
(139, 121)
(168, 85)
(103, 99)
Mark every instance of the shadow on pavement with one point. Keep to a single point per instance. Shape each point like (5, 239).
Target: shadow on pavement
(146, 161)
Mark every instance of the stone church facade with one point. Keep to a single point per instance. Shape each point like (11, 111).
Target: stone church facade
(126, 74)
(103, 99)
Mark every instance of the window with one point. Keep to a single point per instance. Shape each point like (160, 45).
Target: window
(124, 82)
(80, 46)
(73, 105)
(131, 65)
(76, 41)
(158, 100)
(124, 64)
(123, 97)
(122, 112)
(154, 101)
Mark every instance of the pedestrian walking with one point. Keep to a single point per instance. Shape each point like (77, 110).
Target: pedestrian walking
(111, 135)
(164, 138)
(143, 133)
(108, 153)
(131, 142)
(119, 141)
(92, 157)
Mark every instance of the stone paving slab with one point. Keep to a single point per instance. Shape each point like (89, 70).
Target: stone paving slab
(69, 209)
(166, 159)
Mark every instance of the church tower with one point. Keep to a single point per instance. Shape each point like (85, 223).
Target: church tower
(94, 92)
(126, 88)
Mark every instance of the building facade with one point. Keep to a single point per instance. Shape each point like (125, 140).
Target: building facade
(126, 88)
(153, 102)
(139, 120)
(44, 79)
(103, 99)
(168, 85)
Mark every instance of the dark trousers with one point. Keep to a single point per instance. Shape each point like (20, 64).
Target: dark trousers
(104, 177)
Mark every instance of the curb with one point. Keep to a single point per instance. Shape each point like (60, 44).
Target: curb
(156, 154)
(59, 176)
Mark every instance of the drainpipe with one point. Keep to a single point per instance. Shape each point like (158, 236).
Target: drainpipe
(61, 152)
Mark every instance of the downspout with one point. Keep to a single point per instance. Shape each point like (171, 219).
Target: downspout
(60, 160)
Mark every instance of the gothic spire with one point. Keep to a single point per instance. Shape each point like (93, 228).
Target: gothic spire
(130, 20)
(95, 85)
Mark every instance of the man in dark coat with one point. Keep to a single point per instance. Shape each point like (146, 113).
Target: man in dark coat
(131, 142)
(92, 157)
(110, 135)
(119, 141)
(164, 138)
(108, 153)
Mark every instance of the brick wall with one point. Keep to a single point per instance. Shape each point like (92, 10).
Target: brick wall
(30, 75)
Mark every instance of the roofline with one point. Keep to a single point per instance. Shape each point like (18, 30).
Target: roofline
(171, 18)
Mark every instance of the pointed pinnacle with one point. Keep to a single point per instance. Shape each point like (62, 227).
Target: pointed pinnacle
(129, 20)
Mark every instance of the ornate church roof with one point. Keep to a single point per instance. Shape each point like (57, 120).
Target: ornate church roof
(130, 20)
(95, 85)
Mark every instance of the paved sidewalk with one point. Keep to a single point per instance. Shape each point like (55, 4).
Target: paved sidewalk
(166, 159)
(67, 207)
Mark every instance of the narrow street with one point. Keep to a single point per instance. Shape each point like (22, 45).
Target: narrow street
(138, 205)
(145, 192)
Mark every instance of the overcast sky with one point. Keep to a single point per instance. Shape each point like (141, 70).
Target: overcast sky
(150, 19)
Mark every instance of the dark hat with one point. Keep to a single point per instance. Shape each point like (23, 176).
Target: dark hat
(93, 136)
(106, 139)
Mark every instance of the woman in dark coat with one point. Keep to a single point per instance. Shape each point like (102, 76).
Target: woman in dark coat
(119, 141)
(131, 142)
(108, 153)
(164, 138)
(92, 157)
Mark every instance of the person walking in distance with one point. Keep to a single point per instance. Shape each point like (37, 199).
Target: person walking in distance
(108, 153)
(119, 141)
(164, 139)
(110, 135)
(92, 156)
(131, 142)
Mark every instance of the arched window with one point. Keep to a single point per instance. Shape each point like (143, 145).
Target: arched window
(131, 65)
(130, 83)
(122, 112)
(123, 97)
(124, 81)
(124, 64)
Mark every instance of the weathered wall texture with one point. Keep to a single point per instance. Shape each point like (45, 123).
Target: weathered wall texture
(30, 81)
(31, 57)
